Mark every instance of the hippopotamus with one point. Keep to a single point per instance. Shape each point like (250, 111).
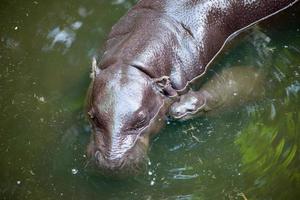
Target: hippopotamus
(230, 88)
(152, 56)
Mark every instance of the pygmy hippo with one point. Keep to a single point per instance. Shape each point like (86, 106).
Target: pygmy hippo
(151, 57)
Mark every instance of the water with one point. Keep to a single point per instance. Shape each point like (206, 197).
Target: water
(46, 47)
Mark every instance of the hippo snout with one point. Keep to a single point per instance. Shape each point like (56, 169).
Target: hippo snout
(119, 161)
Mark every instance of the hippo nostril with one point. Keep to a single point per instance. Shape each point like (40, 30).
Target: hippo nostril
(101, 160)
(98, 156)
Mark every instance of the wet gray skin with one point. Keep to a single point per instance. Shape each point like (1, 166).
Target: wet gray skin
(123, 118)
(152, 54)
(226, 90)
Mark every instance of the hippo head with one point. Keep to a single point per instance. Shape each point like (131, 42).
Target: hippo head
(125, 107)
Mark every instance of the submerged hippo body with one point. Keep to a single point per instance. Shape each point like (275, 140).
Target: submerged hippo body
(151, 56)
(230, 88)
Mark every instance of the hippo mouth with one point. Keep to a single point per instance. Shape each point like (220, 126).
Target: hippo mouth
(119, 161)
(132, 162)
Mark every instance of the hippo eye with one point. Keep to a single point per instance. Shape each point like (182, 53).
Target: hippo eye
(141, 121)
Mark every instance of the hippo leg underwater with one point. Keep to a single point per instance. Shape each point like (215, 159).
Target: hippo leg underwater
(230, 88)
(151, 57)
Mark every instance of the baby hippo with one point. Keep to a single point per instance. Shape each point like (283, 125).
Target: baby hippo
(231, 88)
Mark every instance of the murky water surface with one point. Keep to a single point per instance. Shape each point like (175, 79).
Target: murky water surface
(249, 152)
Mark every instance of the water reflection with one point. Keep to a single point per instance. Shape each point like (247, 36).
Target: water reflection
(84, 12)
(182, 173)
(10, 43)
(294, 88)
(269, 143)
(65, 36)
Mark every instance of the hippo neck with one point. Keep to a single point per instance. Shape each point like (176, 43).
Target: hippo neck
(180, 39)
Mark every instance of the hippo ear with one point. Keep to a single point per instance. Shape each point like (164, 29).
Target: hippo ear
(163, 85)
(95, 69)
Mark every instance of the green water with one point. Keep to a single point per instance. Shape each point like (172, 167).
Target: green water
(251, 152)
